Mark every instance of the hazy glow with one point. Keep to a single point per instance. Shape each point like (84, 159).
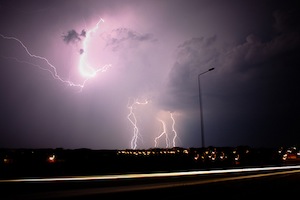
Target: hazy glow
(86, 70)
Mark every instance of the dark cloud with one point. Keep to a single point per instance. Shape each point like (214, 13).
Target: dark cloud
(193, 57)
(254, 52)
(254, 85)
(81, 51)
(73, 36)
(286, 20)
(83, 33)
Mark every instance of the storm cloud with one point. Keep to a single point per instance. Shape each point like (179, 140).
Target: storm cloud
(71, 36)
(155, 51)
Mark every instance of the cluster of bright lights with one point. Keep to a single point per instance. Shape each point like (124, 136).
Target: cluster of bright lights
(290, 153)
(85, 70)
(154, 151)
(52, 158)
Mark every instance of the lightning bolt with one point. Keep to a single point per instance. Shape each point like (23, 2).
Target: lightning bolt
(88, 72)
(173, 129)
(85, 70)
(132, 118)
(164, 132)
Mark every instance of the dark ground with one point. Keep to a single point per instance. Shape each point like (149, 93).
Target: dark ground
(17, 163)
(282, 186)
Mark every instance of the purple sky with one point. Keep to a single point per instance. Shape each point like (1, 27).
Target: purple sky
(152, 51)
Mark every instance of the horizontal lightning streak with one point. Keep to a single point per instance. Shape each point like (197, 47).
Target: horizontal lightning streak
(85, 70)
(53, 71)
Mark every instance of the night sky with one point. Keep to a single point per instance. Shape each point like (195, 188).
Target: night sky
(82, 73)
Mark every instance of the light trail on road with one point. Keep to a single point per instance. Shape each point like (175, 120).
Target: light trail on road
(161, 174)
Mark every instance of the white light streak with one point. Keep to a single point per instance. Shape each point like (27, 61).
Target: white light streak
(85, 69)
(162, 174)
(173, 129)
(132, 118)
(164, 132)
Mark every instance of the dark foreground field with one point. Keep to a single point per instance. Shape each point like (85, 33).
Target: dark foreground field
(17, 163)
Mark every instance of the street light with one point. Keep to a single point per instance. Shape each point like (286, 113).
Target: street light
(200, 106)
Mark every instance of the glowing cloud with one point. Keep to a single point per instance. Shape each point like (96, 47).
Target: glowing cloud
(85, 70)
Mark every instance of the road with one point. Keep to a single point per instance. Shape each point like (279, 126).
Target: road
(238, 183)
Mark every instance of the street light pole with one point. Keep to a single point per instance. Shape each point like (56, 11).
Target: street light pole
(200, 106)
